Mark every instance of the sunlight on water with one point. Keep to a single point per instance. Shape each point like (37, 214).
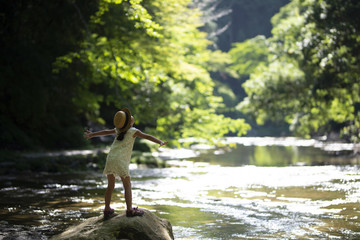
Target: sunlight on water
(282, 201)
(247, 192)
(291, 141)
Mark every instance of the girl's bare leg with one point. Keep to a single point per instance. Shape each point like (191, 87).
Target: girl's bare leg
(128, 194)
(109, 191)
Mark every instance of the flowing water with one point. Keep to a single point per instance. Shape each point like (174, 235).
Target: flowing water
(245, 192)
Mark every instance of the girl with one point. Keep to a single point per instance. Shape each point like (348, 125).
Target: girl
(118, 159)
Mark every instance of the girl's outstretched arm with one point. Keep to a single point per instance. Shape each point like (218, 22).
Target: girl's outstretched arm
(88, 134)
(149, 137)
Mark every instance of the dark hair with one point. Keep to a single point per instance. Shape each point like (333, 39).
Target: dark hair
(121, 136)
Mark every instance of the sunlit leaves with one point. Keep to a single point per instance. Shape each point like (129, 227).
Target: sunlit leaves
(248, 55)
(311, 69)
(205, 124)
(142, 18)
(273, 90)
(151, 57)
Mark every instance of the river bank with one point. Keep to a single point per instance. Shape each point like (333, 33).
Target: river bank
(147, 156)
(72, 160)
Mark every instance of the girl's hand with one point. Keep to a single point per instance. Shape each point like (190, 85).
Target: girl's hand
(88, 134)
(163, 143)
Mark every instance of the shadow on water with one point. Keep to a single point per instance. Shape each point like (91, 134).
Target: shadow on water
(256, 192)
(43, 204)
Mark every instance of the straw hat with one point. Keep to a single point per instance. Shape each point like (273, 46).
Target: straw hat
(122, 119)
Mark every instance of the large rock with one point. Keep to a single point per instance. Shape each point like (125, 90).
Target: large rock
(149, 226)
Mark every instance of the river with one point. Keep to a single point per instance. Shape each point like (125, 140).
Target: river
(249, 191)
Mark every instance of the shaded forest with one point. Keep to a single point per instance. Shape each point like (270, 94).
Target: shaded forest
(202, 69)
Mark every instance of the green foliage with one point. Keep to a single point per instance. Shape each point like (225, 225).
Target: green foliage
(248, 55)
(311, 76)
(100, 56)
(162, 76)
(231, 21)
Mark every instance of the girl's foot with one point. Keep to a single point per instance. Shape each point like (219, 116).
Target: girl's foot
(134, 212)
(108, 213)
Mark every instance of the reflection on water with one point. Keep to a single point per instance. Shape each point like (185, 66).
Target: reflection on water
(256, 192)
(274, 155)
(261, 202)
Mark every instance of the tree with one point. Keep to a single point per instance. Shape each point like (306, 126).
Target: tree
(311, 78)
(151, 57)
(66, 63)
(226, 23)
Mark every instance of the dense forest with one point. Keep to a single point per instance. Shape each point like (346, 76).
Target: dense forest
(201, 69)
(308, 73)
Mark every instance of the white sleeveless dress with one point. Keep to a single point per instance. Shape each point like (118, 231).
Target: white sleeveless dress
(118, 159)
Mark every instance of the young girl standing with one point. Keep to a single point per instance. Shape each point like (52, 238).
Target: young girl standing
(118, 159)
